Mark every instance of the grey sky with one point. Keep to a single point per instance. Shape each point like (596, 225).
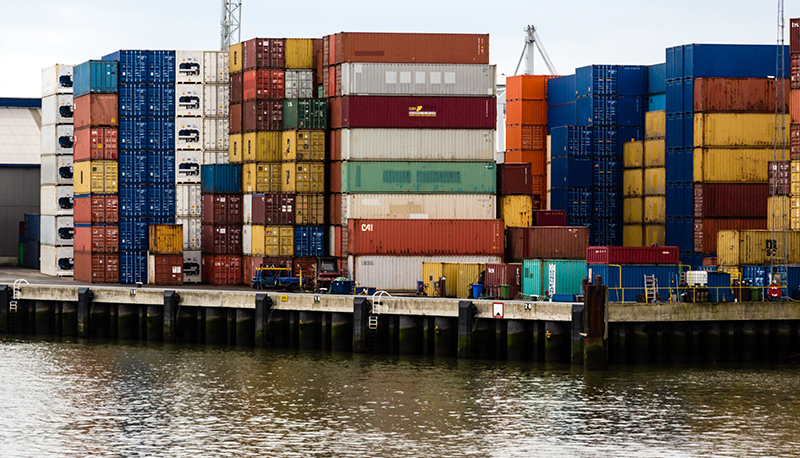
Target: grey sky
(38, 33)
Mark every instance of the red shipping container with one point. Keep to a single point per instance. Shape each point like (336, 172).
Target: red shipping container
(222, 270)
(96, 268)
(222, 208)
(546, 242)
(96, 209)
(710, 261)
(318, 63)
(705, 231)
(264, 84)
(97, 239)
(514, 278)
(794, 142)
(494, 276)
(237, 88)
(750, 95)
(538, 190)
(794, 35)
(632, 255)
(95, 110)
(408, 112)
(410, 48)
(95, 143)
(779, 177)
(263, 53)
(794, 71)
(550, 218)
(330, 81)
(333, 148)
(327, 56)
(794, 105)
(424, 237)
(526, 137)
(335, 181)
(334, 208)
(251, 263)
(515, 178)
(262, 115)
(235, 118)
(305, 268)
(221, 239)
(167, 269)
(735, 200)
(338, 249)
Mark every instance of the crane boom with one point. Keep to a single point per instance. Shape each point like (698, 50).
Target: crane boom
(532, 39)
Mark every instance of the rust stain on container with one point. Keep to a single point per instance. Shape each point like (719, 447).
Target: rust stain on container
(544, 242)
(749, 95)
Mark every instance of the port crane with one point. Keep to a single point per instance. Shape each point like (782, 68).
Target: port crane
(781, 220)
(532, 39)
(231, 32)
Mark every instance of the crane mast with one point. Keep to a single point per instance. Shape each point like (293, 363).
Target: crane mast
(230, 33)
(532, 40)
(781, 219)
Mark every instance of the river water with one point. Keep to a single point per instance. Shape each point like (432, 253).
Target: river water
(69, 398)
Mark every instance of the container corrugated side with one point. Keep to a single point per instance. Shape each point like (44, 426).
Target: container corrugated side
(517, 211)
(726, 165)
(404, 112)
(423, 48)
(257, 146)
(95, 76)
(96, 268)
(166, 239)
(415, 79)
(632, 182)
(655, 181)
(626, 255)
(418, 177)
(216, 67)
(93, 110)
(401, 273)
(626, 283)
(192, 233)
(633, 155)
(747, 95)
(221, 178)
(753, 247)
(655, 210)
(299, 53)
(730, 200)
(778, 213)
(547, 242)
(417, 206)
(96, 177)
(412, 145)
(188, 202)
(654, 153)
(424, 237)
(753, 130)
(541, 277)
(706, 231)
(633, 210)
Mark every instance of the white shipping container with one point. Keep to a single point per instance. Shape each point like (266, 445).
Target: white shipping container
(187, 166)
(299, 84)
(418, 206)
(57, 109)
(57, 139)
(188, 66)
(188, 133)
(216, 100)
(216, 67)
(192, 265)
(215, 134)
(192, 233)
(188, 200)
(418, 79)
(188, 99)
(57, 170)
(57, 261)
(247, 208)
(401, 273)
(57, 230)
(417, 145)
(56, 200)
(215, 157)
(57, 80)
(247, 239)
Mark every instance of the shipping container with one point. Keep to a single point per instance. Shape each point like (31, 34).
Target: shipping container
(305, 114)
(633, 183)
(779, 213)
(221, 239)
(133, 101)
(222, 208)
(260, 115)
(753, 247)
(623, 255)
(192, 232)
(550, 277)
(424, 237)
(503, 281)
(516, 211)
(60, 109)
(96, 209)
(95, 76)
(299, 84)
(779, 178)
(746, 95)
(309, 209)
(215, 134)
(549, 218)
(626, 283)
(187, 167)
(221, 179)
(299, 53)
(216, 157)
(161, 167)
(270, 209)
(133, 234)
(706, 231)
(413, 112)
(252, 263)
(133, 168)
(739, 200)
(401, 273)
(236, 58)
(526, 137)
(161, 66)
(57, 139)
(222, 270)
(794, 35)
(188, 202)
(56, 200)
(262, 177)
(263, 84)
(188, 133)
(133, 66)
(655, 208)
(57, 261)
(514, 178)
(263, 53)
(302, 146)
(794, 71)
(192, 260)
(726, 165)
(165, 269)
(96, 177)
(633, 235)
(163, 100)
(161, 133)
(571, 172)
(413, 206)
(655, 181)
(166, 239)
(633, 210)
(259, 147)
(527, 87)
(418, 48)
(654, 234)
(302, 177)
(752, 130)
(415, 177)
(132, 135)
(605, 110)
(722, 60)
(654, 153)
(235, 147)
(161, 201)
(97, 239)
(57, 79)
(275, 241)
(309, 241)
(96, 267)
(32, 226)
(633, 155)
(216, 101)
(532, 112)
(188, 67)
(415, 79)
(95, 143)
(547, 242)
(236, 89)
(412, 145)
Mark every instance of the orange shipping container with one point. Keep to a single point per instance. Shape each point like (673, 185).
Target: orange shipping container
(794, 105)
(409, 48)
(95, 110)
(527, 87)
(526, 137)
(532, 112)
(537, 159)
(96, 267)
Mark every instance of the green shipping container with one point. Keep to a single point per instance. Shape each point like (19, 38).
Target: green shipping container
(21, 254)
(305, 114)
(419, 177)
(557, 276)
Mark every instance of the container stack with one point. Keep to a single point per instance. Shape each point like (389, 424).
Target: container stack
(221, 185)
(517, 204)
(623, 270)
(96, 151)
(794, 128)
(412, 150)
(165, 255)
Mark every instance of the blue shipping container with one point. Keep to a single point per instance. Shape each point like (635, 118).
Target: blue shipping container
(151, 220)
(133, 201)
(221, 179)
(719, 287)
(33, 222)
(161, 100)
(133, 234)
(160, 134)
(132, 168)
(161, 200)
(657, 102)
(31, 255)
(132, 267)
(94, 76)
(606, 171)
(594, 80)
(161, 66)
(674, 97)
(561, 90)
(674, 63)
(625, 283)
(730, 61)
(161, 168)
(604, 141)
(569, 141)
(132, 134)
(690, 259)
(571, 172)
(657, 79)
(132, 100)
(309, 240)
(561, 115)
(577, 202)
(132, 65)
(605, 232)
(632, 80)
(627, 134)
(756, 275)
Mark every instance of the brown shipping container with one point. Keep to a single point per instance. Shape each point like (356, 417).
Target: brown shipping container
(404, 112)
(96, 268)
(779, 178)
(335, 174)
(424, 237)
(222, 270)
(410, 48)
(550, 218)
(237, 88)
(546, 242)
(794, 141)
(166, 239)
(279, 209)
(262, 115)
(794, 71)
(737, 200)
(97, 239)
(222, 209)
(753, 95)
(168, 269)
(251, 263)
(221, 239)
(95, 110)
(95, 143)
(794, 35)
(304, 268)
(334, 208)
(263, 84)
(794, 105)
(309, 210)
(263, 53)
(515, 178)
(333, 145)
(235, 124)
(318, 63)
(96, 209)
(705, 230)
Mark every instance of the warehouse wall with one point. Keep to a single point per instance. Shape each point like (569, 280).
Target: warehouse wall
(19, 194)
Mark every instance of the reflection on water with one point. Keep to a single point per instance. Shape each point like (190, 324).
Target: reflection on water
(69, 398)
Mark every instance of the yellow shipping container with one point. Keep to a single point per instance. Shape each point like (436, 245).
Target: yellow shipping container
(753, 247)
(468, 273)
(303, 146)
(633, 155)
(632, 210)
(458, 277)
(309, 209)
(166, 239)
(303, 177)
(778, 212)
(236, 58)
(279, 240)
(655, 181)
(258, 240)
(794, 213)
(431, 273)
(299, 53)
(655, 124)
(655, 209)
(795, 178)
(261, 147)
(632, 182)
(654, 155)
(655, 234)
(517, 211)
(95, 177)
(721, 165)
(235, 148)
(261, 177)
(632, 235)
(749, 130)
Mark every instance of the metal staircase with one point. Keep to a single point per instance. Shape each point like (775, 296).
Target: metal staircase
(650, 288)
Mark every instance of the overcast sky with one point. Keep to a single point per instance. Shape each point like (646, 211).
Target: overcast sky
(38, 33)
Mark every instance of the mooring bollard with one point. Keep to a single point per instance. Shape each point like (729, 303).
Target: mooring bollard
(596, 325)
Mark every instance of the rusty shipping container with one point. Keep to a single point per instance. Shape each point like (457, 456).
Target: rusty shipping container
(96, 209)
(237, 88)
(222, 209)
(748, 95)
(235, 119)
(97, 239)
(408, 48)
(794, 106)
(263, 84)
(424, 237)
(96, 110)
(96, 267)
(222, 239)
(515, 178)
(794, 35)
(222, 270)
(258, 115)
(779, 178)
(165, 269)
(706, 230)
(546, 242)
(166, 239)
(753, 247)
(794, 71)
(732, 165)
(264, 53)
(753, 130)
(632, 255)
(404, 112)
(731, 200)
(95, 143)
(794, 142)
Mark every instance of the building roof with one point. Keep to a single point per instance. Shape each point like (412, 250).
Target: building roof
(20, 135)
(17, 102)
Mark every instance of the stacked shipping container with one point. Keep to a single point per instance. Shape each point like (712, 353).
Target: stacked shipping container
(794, 128)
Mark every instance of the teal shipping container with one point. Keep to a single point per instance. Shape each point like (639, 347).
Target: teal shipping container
(305, 114)
(556, 276)
(418, 177)
(96, 77)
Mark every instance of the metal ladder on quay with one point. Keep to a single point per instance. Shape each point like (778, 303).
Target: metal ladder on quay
(650, 288)
(16, 295)
(372, 319)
